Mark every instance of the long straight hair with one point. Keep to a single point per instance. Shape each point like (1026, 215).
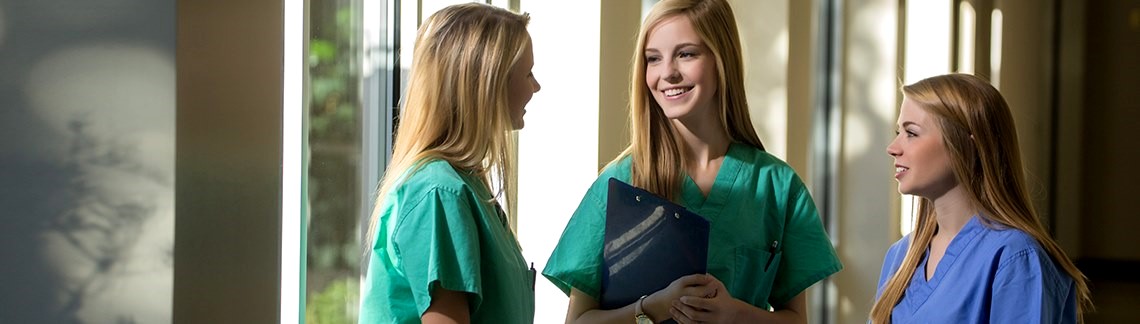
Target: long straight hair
(656, 150)
(456, 107)
(978, 131)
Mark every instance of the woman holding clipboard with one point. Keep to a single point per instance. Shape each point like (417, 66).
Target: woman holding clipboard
(692, 142)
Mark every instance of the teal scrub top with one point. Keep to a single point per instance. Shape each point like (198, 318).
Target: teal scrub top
(440, 229)
(766, 241)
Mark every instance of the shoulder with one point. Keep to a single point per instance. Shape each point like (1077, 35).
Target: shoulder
(763, 163)
(1015, 250)
(431, 178)
(901, 245)
(1010, 244)
(618, 169)
(1020, 257)
(897, 250)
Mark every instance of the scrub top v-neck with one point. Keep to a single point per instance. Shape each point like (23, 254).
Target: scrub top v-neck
(987, 275)
(766, 241)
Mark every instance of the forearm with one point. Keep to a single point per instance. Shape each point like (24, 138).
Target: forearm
(584, 309)
(792, 312)
(624, 315)
(753, 314)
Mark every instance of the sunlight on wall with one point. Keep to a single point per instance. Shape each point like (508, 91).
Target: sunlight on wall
(113, 107)
(927, 53)
(75, 84)
(763, 27)
(967, 28)
(928, 40)
(995, 49)
(869, 88)
(408, 25)
(558, 150)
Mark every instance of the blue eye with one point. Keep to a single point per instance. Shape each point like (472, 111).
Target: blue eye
(652, 59)
(686, 54)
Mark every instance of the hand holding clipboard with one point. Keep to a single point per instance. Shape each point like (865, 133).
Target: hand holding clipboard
(649, 243)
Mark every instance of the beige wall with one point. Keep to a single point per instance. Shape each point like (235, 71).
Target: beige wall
(1110, 153)
(620, 21)
(763, 27)
(1070, 124)
(228, 157)
(867, 196)
(1025, 78)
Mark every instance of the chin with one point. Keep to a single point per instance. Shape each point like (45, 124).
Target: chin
(906, 190)
(676, 112)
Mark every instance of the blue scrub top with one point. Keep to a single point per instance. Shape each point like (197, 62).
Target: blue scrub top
(988, 275)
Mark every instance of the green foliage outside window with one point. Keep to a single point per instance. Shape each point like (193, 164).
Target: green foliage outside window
(334, 135)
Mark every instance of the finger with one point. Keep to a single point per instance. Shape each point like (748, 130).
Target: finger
(694, 314)
(694, 279)
(700, 291)
(698, 303)
(679, 317)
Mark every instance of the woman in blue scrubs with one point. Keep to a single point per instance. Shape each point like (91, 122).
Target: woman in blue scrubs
(692, 141)
(442, 251)
(979, 253)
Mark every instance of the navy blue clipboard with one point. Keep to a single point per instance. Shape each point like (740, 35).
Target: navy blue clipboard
(649, 242)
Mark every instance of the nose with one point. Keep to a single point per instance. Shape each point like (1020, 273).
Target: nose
(535, 84)
(893, 149)
(672, 74)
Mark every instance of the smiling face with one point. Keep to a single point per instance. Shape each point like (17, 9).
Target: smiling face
(522, 86)
(922, 162)
(680, 70)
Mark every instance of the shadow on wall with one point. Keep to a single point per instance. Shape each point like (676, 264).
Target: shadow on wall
(73, 235)
(86, 161)
(868, 104)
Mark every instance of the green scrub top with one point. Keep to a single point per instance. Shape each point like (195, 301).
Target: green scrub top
(438, 229)
(766, 241)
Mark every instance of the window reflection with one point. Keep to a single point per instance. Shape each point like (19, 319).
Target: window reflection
(334, 167)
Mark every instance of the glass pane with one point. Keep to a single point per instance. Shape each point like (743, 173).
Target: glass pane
(87, 108)
(334, 184)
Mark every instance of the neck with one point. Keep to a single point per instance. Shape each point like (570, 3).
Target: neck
(952, 211)
(705, 140)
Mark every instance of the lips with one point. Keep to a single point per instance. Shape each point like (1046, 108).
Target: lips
(676, 92)
(900, 170)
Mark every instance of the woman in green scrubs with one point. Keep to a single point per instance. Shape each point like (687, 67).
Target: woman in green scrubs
(692, 141)
(442, 251)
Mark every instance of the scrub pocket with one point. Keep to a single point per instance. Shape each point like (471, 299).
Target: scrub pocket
(755, 273)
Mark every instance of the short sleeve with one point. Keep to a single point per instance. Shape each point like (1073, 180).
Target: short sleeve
(577, 259)
(808, 256)
(1028, 288)
(437, 241)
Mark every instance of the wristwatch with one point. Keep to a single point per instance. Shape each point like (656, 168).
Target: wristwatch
(640, 316)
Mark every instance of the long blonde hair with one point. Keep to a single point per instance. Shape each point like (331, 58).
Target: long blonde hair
(978, 131)
(658, 164)
(456, 107)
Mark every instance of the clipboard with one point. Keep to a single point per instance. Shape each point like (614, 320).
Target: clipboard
(649, 243)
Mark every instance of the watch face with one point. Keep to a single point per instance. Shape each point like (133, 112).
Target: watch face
(642, 319)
